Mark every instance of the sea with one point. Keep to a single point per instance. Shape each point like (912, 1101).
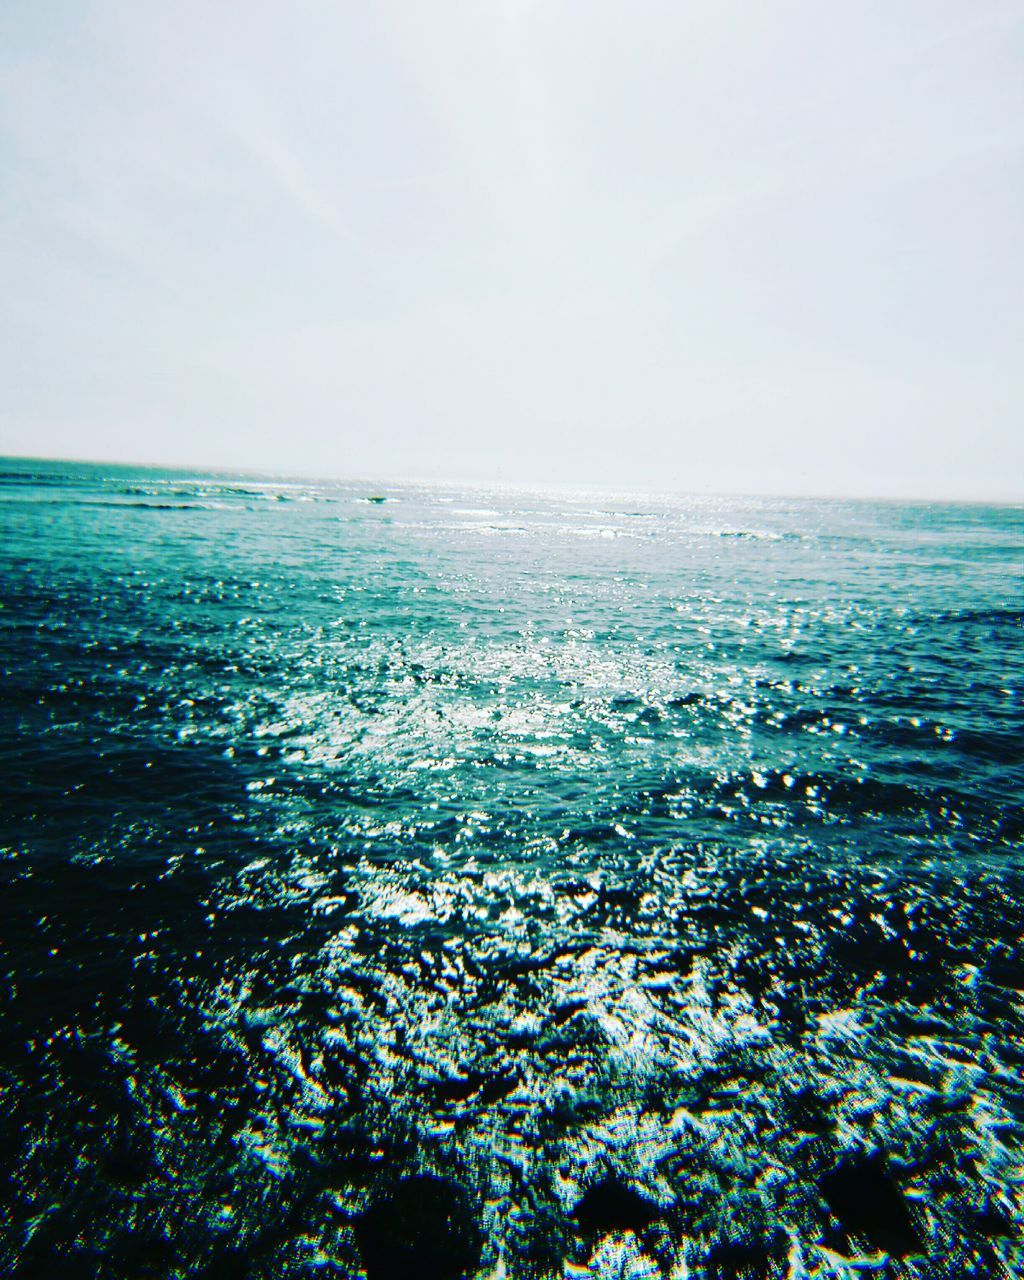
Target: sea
(437, 881)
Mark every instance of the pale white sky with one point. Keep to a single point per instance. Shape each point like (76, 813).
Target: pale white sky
(757, 247)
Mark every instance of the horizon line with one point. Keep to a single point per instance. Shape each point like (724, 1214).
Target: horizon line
(534, 486)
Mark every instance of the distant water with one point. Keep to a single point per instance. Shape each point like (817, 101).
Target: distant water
(489, 883)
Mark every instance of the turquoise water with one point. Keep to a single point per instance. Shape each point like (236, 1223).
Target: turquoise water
(431, 881)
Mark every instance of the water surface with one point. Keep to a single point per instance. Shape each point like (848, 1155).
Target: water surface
(424, 881)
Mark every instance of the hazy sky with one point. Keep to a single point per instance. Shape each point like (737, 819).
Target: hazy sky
(697, 245)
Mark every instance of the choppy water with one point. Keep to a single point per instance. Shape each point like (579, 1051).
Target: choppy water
(491, 883)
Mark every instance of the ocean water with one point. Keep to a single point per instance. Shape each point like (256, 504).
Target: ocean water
(435, 882)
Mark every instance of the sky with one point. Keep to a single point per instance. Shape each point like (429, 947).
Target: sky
(687, 245)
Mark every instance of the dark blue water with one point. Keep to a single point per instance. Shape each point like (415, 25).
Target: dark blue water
(432, 882)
